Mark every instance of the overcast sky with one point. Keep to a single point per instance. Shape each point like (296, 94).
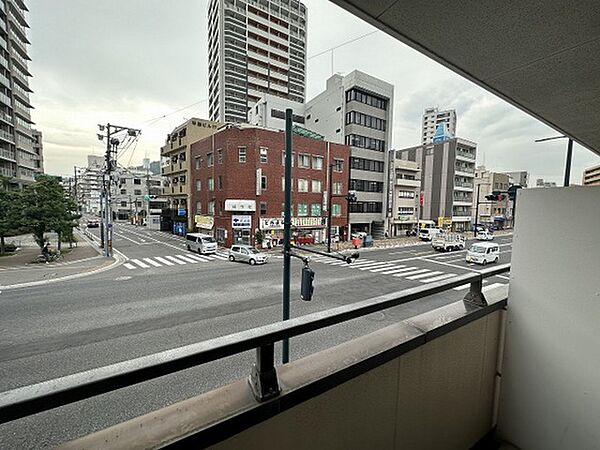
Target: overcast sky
(130, 61)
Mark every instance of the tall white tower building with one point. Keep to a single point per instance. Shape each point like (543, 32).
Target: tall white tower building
(432, 117)
(255, 47)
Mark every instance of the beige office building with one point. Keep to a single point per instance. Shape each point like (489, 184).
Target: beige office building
(591, 176)
(175, 155)
(497, 213)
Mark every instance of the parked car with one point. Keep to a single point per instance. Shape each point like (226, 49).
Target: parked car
(201, 243)
(247, 253)
(305, 239)
(92, 224)
(448, 242)
(483, 253)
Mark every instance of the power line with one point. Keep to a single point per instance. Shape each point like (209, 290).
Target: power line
(349, 41)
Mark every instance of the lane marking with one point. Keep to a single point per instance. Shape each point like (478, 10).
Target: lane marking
(423, 275)
(198, 258)
(385, 268)
(371, 266)
(164, 261)
(221, 257)
(440, 278)
(406, 269)
(414, 272)
(187, 258)
(143, 265)
(129, 266)
(177, 261)
(151, 261)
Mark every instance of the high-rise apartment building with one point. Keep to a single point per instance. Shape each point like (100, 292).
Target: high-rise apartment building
(356, 110)
(432, 117)
(591, 176)
(18, 159)
(255, 47)
(175, 155)
(38, 149)
(447, 174)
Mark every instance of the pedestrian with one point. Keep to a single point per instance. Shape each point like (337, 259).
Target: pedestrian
(46, 252)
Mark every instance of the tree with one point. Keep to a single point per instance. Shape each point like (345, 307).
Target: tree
(10, 215)
(259, 236)
(47, 207)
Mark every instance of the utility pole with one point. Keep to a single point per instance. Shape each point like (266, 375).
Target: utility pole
(329, 207)
(287, 230)
(112, 144)
(476, 212)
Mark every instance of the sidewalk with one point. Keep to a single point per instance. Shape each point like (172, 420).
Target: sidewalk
(22, 268)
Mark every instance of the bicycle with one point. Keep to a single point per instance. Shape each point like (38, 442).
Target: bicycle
(52, 257)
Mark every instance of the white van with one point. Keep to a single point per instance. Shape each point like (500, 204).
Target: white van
(201, 243)
(427, 234)
(483, 253)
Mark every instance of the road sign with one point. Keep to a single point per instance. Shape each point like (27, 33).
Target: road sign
(181, 211)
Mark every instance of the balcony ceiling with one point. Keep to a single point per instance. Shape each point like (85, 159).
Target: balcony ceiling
(539, 55)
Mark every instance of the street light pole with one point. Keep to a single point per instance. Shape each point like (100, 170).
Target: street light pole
(476, 212)
(329, 208)
(287, 230)
(568, 162)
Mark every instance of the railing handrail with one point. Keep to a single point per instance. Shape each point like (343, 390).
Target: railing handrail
(33, 399)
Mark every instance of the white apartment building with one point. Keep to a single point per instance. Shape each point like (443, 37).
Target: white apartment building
(269, 112)
(88, 185)
(18, 158)
(405, 188)
(129, 191)
(498, 213)
(356, 110)
(255, 47)
(432, 117)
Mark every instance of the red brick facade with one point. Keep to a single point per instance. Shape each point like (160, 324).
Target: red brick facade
(220, 158)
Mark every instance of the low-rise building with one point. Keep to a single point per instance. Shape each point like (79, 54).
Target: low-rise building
(131, 193)
(540, 182)
(237, 178)
(497, 213)
(269, 112)
(519, 178)
(591, 176)
(406, 182)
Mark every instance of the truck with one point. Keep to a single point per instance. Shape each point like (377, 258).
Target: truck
(448, 241)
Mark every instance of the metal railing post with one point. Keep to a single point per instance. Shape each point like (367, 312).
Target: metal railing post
(263, 378)
(475, 295)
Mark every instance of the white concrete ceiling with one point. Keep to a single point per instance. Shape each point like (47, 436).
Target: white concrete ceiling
(542, 56)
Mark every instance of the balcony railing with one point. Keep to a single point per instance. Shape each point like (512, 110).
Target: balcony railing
(7, 136)
(465, 155)
(264, 381)
(7, 154)
(463, 184)
(7, 172)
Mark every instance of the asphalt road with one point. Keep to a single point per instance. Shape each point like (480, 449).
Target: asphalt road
(164, 297)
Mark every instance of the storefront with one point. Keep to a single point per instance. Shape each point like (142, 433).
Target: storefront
(204, 224)
(241, 227)
(304, 229)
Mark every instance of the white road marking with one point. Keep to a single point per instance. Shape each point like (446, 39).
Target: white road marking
(199, 258)
(441, 277)
(423, 275)
(381, 269)
(414, 272)
(187, 259)
(221, 256)
(360, 262)
(372, 265)
(177, 261)
(129, 266)
(406, 269)
(164, 261)
(140, 263)
(151, 261)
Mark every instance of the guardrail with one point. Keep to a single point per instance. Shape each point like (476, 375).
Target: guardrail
(29, 400)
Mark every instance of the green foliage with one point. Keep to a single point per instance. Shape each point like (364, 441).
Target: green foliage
(10, 215)
(47, 207)
(259, 236)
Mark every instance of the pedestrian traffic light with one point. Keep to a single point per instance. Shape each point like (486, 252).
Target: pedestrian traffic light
(306, 285)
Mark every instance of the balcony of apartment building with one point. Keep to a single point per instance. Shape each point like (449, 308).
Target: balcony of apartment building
(8, 154)
(465, 155)
(5, 81)
(462, 198)
(6, 118)
(463, 185)
(7, 136)
(5, 99)
(464, 169)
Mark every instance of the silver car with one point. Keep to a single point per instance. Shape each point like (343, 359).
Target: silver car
(248, 254)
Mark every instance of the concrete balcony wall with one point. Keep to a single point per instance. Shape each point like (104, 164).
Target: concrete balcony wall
(550, 396)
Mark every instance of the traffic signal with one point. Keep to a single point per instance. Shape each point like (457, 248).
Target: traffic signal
(495, 196)
(306, 285)
(512, 191)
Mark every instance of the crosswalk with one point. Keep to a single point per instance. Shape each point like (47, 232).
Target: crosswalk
(405, 271)
(172, 260)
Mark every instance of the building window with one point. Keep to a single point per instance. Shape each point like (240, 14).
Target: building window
(404, 211)
(337, 188)
(263, 155)
(211, 184)
(263, 208)
(220, 182)
(283, 158)
(365, 142)
(367, 164)
(338, 165)
(198, 207)
(303, 160)
(209, 160)
(198, 185)
(302, 209)
(220, 156)
(315, 210)
(123, 191)
(124, 204)
(242, 154)
(182, 157)
(316, 185)
(336, 210)
(137, 181)
(302, 185)
(198, 163)
(317, 162)
(211, 207)
(406, 194)
(137, 192)
(263, 183)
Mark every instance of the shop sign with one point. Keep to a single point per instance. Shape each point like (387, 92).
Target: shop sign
(206, 222)
(275, 223)
(240, 205)
(444, 221)
(307, 222)
(238, 221)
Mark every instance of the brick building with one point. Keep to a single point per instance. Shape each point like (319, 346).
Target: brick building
(237, 185)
